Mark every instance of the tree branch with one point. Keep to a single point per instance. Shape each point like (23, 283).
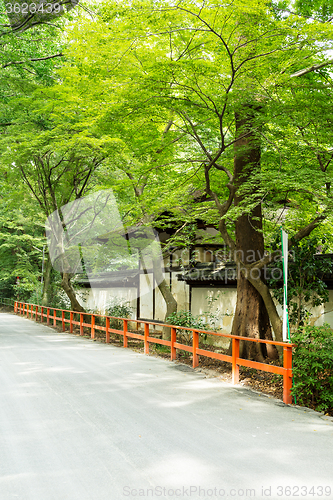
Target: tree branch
(305, 231)
(32, 60)
(304, 71)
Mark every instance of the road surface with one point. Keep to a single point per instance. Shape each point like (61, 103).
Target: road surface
(81, 420)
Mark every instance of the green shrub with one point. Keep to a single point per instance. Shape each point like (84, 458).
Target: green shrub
(119, 310)
(313, 367)
(186, 318)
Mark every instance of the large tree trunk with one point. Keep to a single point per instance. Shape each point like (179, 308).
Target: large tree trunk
(171, 303)
(251, 317)
(68, 289)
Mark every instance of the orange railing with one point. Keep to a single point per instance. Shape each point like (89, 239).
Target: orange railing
(41, 312)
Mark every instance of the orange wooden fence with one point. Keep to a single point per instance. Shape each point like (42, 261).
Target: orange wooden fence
(41, 312)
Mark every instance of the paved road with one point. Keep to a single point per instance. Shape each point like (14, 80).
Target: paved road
(81, 420)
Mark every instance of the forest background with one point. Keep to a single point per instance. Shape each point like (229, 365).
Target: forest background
(218, 112)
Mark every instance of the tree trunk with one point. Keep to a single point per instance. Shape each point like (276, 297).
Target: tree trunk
(171, 303)
(68, 289)
(47, 281)
(251, 317)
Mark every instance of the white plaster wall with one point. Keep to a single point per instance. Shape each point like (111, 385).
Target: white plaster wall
(146, 296)
(324, 313)
(181, 256)
(319, 315)
(203, 255)
(222, 306)
(160, 305)
(98, 299)
(166, 261)
(181, 292)
(328, 310)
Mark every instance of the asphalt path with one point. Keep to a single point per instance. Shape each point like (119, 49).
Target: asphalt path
(81, 420)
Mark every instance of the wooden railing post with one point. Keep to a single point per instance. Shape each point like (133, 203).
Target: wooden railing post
(48, 316)
(81, 324)
(288, 376)
(71, 322)
(146, 343)
(195, 344)
(15, 307)
(41, 314)
(125, 330)
(235, 355)
(63, 320)
(92, 330)
(173, 341)
(107, 330)
(54, 317)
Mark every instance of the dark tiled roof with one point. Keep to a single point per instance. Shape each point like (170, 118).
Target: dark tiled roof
(216, 273)
(127, 278)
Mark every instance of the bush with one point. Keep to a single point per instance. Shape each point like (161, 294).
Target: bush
(186, 318)
(119, 310)
(313, 367)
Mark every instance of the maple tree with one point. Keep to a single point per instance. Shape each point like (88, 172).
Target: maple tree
(198, 99)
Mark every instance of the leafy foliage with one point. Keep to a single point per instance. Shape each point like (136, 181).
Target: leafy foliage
(119, 309)
(148, 94)
(305, 279)
(321, 8)
(21, 245)
(313, 367)
(186, 318)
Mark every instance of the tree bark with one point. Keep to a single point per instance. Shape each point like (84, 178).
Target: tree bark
(251, 317)
(170, 301)
(265, 293)
(47, 281)
(68, 289)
